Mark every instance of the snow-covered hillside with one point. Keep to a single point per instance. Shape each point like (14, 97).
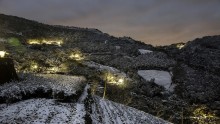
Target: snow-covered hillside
(111, 62)
(42, 111)
(51, 110)
(42, 85)
(108, 112)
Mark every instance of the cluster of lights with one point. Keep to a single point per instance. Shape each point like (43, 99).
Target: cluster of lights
(115, 80)
(112, 79)
(34, 66)
(76, 56)
(202, 116)
(44, 41)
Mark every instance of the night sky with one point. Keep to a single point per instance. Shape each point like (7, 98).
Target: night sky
(157, 22)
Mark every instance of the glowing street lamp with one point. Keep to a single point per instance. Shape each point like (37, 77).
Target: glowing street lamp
(59, 43)
(120, 81)
(76, 56)
(110, 78)
(34, 66)
(3, 53)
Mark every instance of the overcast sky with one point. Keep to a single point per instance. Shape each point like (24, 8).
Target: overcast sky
(158, 22)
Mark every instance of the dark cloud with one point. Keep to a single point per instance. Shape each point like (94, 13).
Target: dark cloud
(158, 22)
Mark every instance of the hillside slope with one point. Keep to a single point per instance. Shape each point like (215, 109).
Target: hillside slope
(111, 65)
(24, 104)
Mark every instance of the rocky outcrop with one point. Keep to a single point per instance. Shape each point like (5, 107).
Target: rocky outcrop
(7, 70)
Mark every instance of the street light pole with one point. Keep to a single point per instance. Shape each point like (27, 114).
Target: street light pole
(104, 90)
(105, 85)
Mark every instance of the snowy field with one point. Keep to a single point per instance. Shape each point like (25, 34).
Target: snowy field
(49, 85)
(49, 111)
(52, 111)
(42, 111)
(108, 112)
(162, 78)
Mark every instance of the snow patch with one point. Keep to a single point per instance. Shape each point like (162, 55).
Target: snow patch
(78, 118)
(144, 51)
(108, 112)
(84, 94)
(69, 85)
(3, 40)
(101, 67)
(41, 111)
(162, 78)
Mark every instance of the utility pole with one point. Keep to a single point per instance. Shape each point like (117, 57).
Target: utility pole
(105, 85)
(104, 89)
